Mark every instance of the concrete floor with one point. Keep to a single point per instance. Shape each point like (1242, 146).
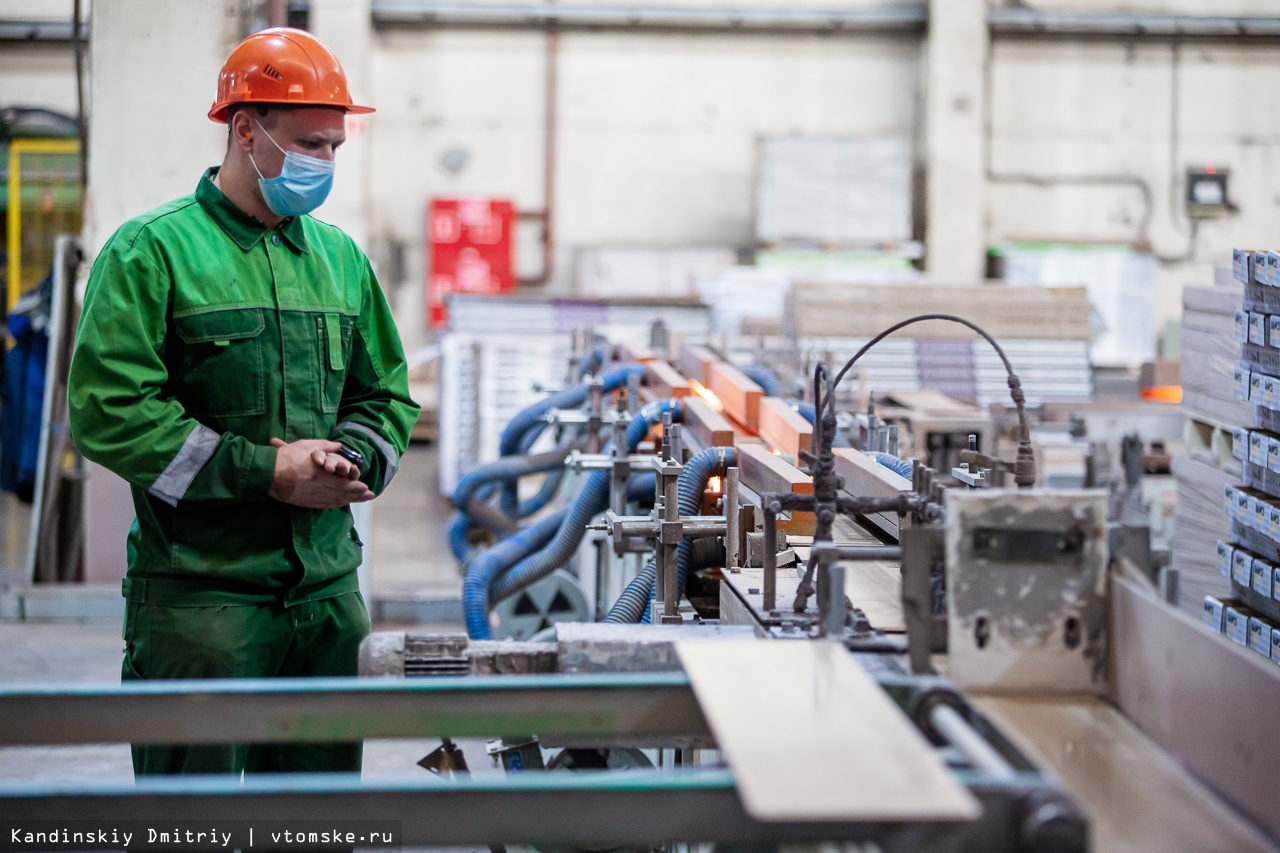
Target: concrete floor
(408, 555)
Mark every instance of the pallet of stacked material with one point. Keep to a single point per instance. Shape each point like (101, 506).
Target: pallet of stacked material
(1211, 355)
(856, 310)
(1199, 524)
(1051, 371)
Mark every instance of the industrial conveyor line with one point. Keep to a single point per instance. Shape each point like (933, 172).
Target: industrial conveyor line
(632, 808)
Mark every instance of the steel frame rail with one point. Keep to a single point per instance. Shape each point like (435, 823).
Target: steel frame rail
(648, 706)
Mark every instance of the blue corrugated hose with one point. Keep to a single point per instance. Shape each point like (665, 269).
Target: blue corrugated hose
(483, 481)
(553, 551)
(893, 463)
(523, 430)
(633, 604)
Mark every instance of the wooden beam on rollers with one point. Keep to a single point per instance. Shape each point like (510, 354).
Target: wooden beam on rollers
(783, 428)
(738, 393)
(707, 425)
(635, 352)
(695, 362)
(763, 472)
(864, 477)
(665, 380)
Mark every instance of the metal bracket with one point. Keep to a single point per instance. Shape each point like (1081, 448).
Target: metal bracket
(1026, 589)
(923, 555)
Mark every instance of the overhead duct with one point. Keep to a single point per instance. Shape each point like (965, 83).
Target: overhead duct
(901, 20)
(1033, 23)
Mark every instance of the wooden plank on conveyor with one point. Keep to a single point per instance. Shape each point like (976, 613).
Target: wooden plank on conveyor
(635, 352)
(708, 426)
(809, 735)
(695, 362)
(739, 395)
(765, 472)
(783, 428)
(665, 380)
(864, 477)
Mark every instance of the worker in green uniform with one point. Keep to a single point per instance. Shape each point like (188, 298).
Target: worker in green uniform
(237, 363)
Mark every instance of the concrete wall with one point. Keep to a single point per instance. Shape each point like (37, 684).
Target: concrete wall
(1107, 131)
(146, 150)
(656, 133)
(1078, 141)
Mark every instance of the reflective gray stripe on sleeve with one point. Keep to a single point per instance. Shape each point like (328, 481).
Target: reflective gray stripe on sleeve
(171, 485)
(384, 447)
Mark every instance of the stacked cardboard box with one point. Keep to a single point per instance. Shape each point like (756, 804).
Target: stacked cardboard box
(1250, 558)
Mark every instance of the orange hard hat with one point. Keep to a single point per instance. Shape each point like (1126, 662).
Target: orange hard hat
(282, 66)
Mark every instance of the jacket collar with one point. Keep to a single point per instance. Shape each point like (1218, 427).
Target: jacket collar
(240, 226)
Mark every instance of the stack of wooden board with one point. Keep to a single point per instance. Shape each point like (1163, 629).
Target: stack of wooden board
(1199, 523)
(861, 310)
(1210, 355)
(1051, 371)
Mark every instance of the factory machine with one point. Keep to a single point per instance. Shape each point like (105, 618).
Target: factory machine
(778, 632)
(767, 548)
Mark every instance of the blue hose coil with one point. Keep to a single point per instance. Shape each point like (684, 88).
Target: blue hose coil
(531, 564)
(475, 586)
(633, 605)
(481, 483)
(523, 430)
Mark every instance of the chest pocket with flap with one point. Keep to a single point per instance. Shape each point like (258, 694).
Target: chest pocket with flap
(222, 372)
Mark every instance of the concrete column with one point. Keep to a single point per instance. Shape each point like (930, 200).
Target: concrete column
(346, 26)
(955, 201)
(153, 73)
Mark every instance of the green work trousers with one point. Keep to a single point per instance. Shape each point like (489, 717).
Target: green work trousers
(258, 640)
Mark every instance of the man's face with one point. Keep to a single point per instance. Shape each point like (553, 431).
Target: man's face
(311, 131)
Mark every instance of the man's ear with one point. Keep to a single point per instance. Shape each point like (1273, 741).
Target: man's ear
(242, 131)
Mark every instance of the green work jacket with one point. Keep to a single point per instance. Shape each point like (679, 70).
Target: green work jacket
(203, 336)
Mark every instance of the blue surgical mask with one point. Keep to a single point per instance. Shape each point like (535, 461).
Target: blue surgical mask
(302, 185)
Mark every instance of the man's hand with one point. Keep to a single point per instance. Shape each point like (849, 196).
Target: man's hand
(306, 476)
(335, 464)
